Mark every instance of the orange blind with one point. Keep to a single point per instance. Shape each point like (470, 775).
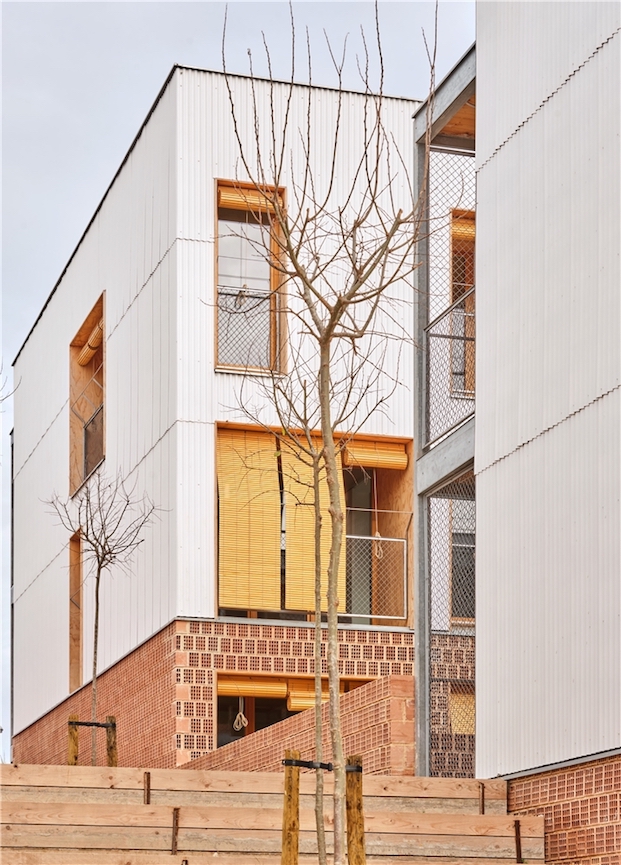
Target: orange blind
(238, 686)
(463, 227)
(245, 198)
(461, 713)
(300, 534)
(249, 529)
(376, 455)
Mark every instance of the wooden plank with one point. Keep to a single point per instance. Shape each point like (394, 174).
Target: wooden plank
(249, 782)
(119, 795)
(101, 857)
(84, 814)
(51, 856)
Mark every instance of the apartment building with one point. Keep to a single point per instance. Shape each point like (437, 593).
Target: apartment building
(153, 359)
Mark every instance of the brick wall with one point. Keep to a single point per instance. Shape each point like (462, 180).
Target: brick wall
(452, 664)
(377, 720)
(203, 649)
(142, 702)
(582, 810)
(164, 695)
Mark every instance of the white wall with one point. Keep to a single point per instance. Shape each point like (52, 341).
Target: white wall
(548, 431)
(208, 152)
(127, 254)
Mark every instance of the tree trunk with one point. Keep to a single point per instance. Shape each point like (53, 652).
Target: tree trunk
(336, 517)
(94, 686)
(321, 832)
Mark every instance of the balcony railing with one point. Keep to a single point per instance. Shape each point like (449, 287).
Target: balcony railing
(450, 371)
(376, 579)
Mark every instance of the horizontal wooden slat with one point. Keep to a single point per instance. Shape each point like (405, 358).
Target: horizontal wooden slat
(51, 856)
(249, 782)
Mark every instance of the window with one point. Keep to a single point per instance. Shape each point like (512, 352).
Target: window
(462, 316)
(250, 305)
(87, 388)
(75, 613)
(267, 529)
(266, 525)
(462, 559)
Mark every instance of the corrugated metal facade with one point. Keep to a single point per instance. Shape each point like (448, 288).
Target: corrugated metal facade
(126, 253)
(150, 248)
(548, 361)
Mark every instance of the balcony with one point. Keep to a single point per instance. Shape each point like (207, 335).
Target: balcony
(450, 368)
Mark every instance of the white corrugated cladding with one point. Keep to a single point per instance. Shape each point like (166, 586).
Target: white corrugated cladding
(548, 429)
(125, 253)
(208, 151)
(541, 45)
(548, 597)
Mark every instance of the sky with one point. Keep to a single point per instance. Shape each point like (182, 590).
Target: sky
(78, 79)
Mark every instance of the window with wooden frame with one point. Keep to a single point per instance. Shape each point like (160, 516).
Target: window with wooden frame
(75, 613)
(87, 391)
(266, 525)
(462, 316)
(250, 328)
(266, 528)
(463, 570)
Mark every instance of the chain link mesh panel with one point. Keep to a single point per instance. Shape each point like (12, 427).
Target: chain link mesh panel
(451, 568)
(376, 578)
(452, 197)
(450, 334)
(450, 368)
(245, 323)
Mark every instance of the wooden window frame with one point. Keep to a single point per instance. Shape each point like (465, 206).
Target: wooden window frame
(246, 198)
(463, 238)
(87, 393)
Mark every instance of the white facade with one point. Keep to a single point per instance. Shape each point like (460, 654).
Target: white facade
(150, 249)
(548, 430)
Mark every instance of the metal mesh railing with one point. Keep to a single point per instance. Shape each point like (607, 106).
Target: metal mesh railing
(451, 568)
(450, 347)
(452, 197)
(376, 578)
(245, 324)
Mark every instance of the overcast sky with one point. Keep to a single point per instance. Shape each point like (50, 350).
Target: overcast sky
(79, 79)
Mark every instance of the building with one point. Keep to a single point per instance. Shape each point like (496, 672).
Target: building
(544, 434)
(158, 363)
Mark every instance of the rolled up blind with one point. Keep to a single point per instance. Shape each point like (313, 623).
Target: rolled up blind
(376, 455)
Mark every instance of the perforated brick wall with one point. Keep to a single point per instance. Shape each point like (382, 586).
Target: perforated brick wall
(377, 720)
(582, 810)
(205, 648)
(452, 664)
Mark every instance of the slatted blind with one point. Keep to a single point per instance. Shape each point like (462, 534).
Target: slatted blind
(376, 455)
(249, 531)
(245, 198)
(463, 226)
(300, 534)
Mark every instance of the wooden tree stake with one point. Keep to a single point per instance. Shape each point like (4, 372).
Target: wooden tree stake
(291, 812)
(111, 749)
(355, 815)
(73, 742)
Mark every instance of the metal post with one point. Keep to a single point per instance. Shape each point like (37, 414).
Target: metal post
(421, 582)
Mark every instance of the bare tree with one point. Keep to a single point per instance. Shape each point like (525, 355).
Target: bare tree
(109, 522)
(340, 249)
